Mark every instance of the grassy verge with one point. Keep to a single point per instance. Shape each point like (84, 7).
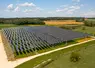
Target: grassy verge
(54, 55)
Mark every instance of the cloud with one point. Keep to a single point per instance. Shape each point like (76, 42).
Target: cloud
(24, 7)
(33, 8)
(89, 14)
(61, 10)
(76, 0)
(51, 12)
(69, 9)
(17, 9)
(28, 10)
(10, 7)
(26, 4)
(36, 9)
(75, 7)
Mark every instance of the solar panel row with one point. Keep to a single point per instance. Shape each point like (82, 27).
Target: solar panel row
(30, 39)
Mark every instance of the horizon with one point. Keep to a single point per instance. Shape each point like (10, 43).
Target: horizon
(50, 8)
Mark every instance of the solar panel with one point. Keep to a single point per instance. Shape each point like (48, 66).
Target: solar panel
(38, 37)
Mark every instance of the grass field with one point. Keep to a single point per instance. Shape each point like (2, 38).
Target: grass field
(86, 29)
(87, 60)
(55, 55)
(7, 25)
(62, 22)
(13, 25)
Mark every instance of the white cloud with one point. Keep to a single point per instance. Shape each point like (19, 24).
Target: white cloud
(75, 7)
(17, 9)
(24, 7)
(69, 9)
(76, 0)
(61, 10)
(26, 4)
(28, 10)
(89, 14)
(51, 12)
(10, 7)
(36, 9)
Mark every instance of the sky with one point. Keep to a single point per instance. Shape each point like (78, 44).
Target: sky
(47, 8)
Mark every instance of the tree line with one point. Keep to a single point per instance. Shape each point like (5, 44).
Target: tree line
(21, 21)
(90, 22)
(78, 19)
(36, 20)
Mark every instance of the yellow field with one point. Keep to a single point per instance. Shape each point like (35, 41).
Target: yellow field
(62, 22)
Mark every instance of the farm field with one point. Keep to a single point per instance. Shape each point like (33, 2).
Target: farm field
(60, 56)
(62, 22)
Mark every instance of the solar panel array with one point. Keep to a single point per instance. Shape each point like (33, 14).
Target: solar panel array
(29, 39)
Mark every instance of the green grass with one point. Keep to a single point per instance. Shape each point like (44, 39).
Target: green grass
(89, 30)
(7, 25)
(13, 25)
(54, 56)
(87, 59)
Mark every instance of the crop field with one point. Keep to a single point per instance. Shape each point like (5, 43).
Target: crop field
(62, 22)
(25, 40)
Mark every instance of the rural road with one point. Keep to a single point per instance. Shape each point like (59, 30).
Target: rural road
(4, 63)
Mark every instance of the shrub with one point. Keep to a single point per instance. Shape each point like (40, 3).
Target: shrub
(75, 57)
(84, 28)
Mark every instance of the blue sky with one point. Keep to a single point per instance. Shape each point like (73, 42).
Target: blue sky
(47, 8)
